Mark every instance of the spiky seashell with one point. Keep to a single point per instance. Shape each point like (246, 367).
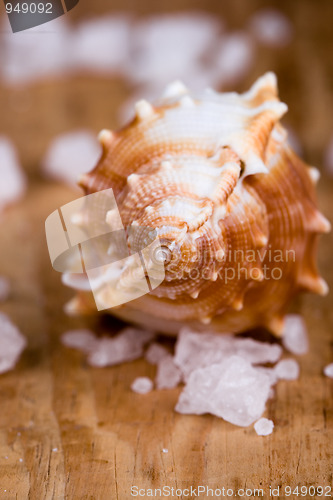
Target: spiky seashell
(233, 206)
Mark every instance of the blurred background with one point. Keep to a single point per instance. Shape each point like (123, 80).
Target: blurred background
(86, 69)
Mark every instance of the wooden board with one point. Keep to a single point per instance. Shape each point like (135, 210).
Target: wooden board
(70, 431)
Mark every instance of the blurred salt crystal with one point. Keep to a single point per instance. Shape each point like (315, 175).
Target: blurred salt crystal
(328, 370)
(12, 344)
(37, 53)
(84, 340)
(164, 47)
(264, 427)
(102, 44)
(13, 182)
(271, 27)
(126, 346)
(287, 369)
(155, 353)
(234, 56)
(328, 158)
(232, 389)
(142, 385)
(4, 288)
(168, 374)
(71, 155)
(196, 350)
(295, 337)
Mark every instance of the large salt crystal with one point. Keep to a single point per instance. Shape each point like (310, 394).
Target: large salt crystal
(233, 390)
(271, 27)
(102, 44)
(126, 346)
(70, 155)
(12, 344)
(195, 350)
(295, 337)
(13, 182)
(155, 353)
(166, 46)
(328, 370)
(4, 288)
(264, 427)
(234, 56)
(36, 53)
(84, 340)
(168, 374)
(142, 385)
(287, 369)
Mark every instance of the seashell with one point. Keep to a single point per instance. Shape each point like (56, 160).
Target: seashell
(234, 208)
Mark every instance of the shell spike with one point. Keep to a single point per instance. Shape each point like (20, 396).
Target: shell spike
(275, 324)
(315, 284)
(175, 89)
(317, 223)
(105, 138)
(143, 110)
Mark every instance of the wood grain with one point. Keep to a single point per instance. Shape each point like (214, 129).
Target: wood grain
(70, 431)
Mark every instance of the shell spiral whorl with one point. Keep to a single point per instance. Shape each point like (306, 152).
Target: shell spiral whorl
(233, 206)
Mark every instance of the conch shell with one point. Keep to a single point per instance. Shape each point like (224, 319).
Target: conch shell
(233, 206)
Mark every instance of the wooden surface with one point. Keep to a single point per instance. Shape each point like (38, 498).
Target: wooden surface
(69, 431)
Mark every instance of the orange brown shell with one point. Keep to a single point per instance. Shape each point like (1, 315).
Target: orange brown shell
(231, 202)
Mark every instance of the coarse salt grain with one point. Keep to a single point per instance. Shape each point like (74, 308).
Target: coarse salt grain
(295, 337)
(84, 340)
(155, 353)
(271, 27)
(168, 374)
(328, 370)
(287, 369)
(233, 390)
(142, 385)
(12, 343)
(70, 155)
(264, 427)
(13, 181)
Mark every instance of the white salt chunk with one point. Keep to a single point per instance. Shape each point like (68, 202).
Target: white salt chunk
(82, 339)
(295, 337)
(102, 44)
(264, 427)
(287, 369)
(328, 370)
(12, 343)
(142, 385)
(126, 346)
(168, 374)
(233, 390)
(196, 350)
(13, 181)
(165, 450)
(71, 155)
(234, 56)
(328, 158)
(155, 353)
(47, 47)
(4, 288)
(271, 27)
